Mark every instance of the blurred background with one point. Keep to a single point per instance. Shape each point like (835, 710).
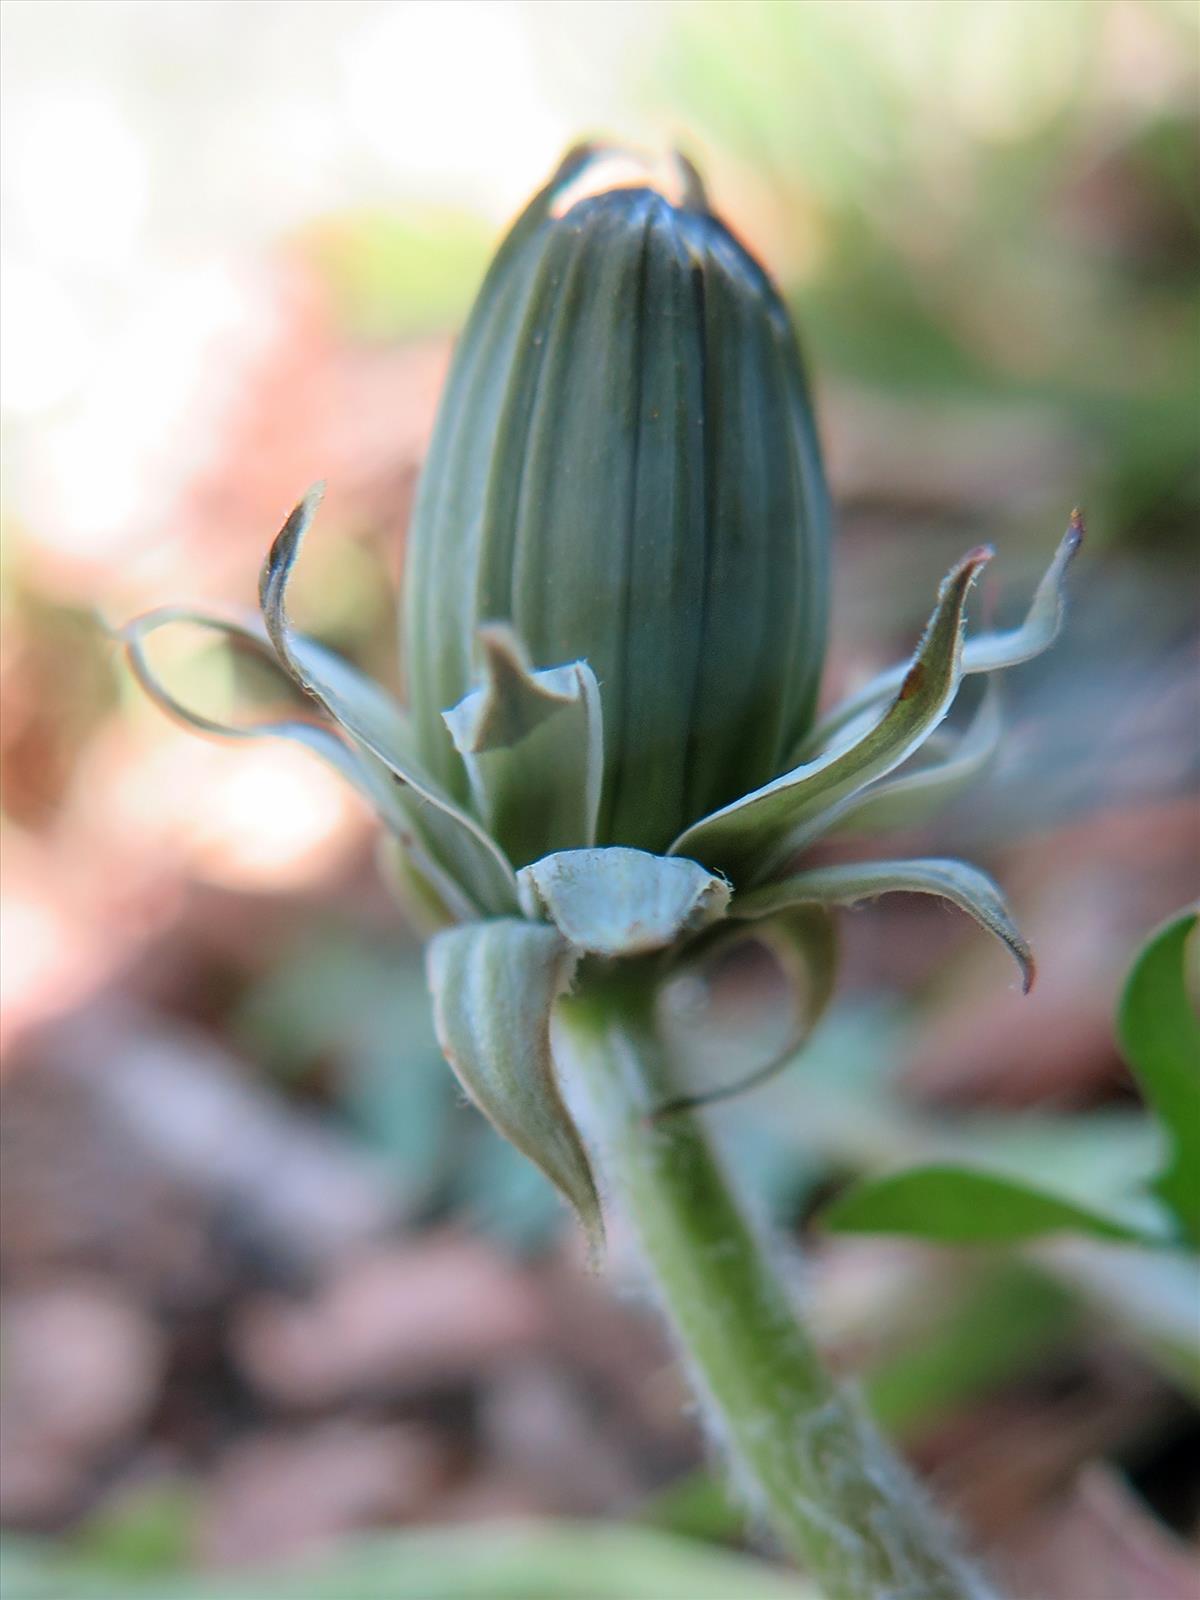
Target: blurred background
(274, 1299)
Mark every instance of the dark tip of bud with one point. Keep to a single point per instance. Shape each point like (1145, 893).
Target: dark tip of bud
(653, 220)
(590, 171)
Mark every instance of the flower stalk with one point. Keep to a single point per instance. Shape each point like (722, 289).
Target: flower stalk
(804, 1454)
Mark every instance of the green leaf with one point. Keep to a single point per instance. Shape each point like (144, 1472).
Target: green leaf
(969, 1205)
(1159, 1033)
(619, 902)
(987, 652)
(911, 797)
(964, 886)
(378, 725)
(494, 986)
(533, 744)
(359, 766)
(746, 838)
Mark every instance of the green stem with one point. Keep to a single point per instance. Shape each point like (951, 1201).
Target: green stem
(802, 1449)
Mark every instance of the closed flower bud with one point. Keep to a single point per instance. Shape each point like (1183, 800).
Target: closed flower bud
(617, 591)
(625, 471)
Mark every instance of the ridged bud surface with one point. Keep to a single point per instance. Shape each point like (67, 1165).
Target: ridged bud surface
(625, 469)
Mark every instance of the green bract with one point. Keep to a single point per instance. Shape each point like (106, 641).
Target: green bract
(616, 614)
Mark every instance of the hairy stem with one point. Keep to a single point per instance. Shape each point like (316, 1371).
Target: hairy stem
(801, 1447)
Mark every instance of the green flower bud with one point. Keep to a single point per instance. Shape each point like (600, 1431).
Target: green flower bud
(617, 592)
(625, 470)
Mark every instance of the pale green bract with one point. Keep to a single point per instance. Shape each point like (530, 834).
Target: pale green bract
(621, 902)
(502, 855)
(494, 986)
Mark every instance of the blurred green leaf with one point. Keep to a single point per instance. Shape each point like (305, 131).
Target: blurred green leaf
(502, 1194)
(29, 1571)
(524, 1562)
(835, 1109)
(1000, 1322)
(393, 276)
(393, 1087)
(146, 1532)
(1054, 271)
(696, 1506)
(1160, 1036)
(1150, 1296)
(967, 1205)
(301, 1008)
(1099, 1183)
(358, 1012)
